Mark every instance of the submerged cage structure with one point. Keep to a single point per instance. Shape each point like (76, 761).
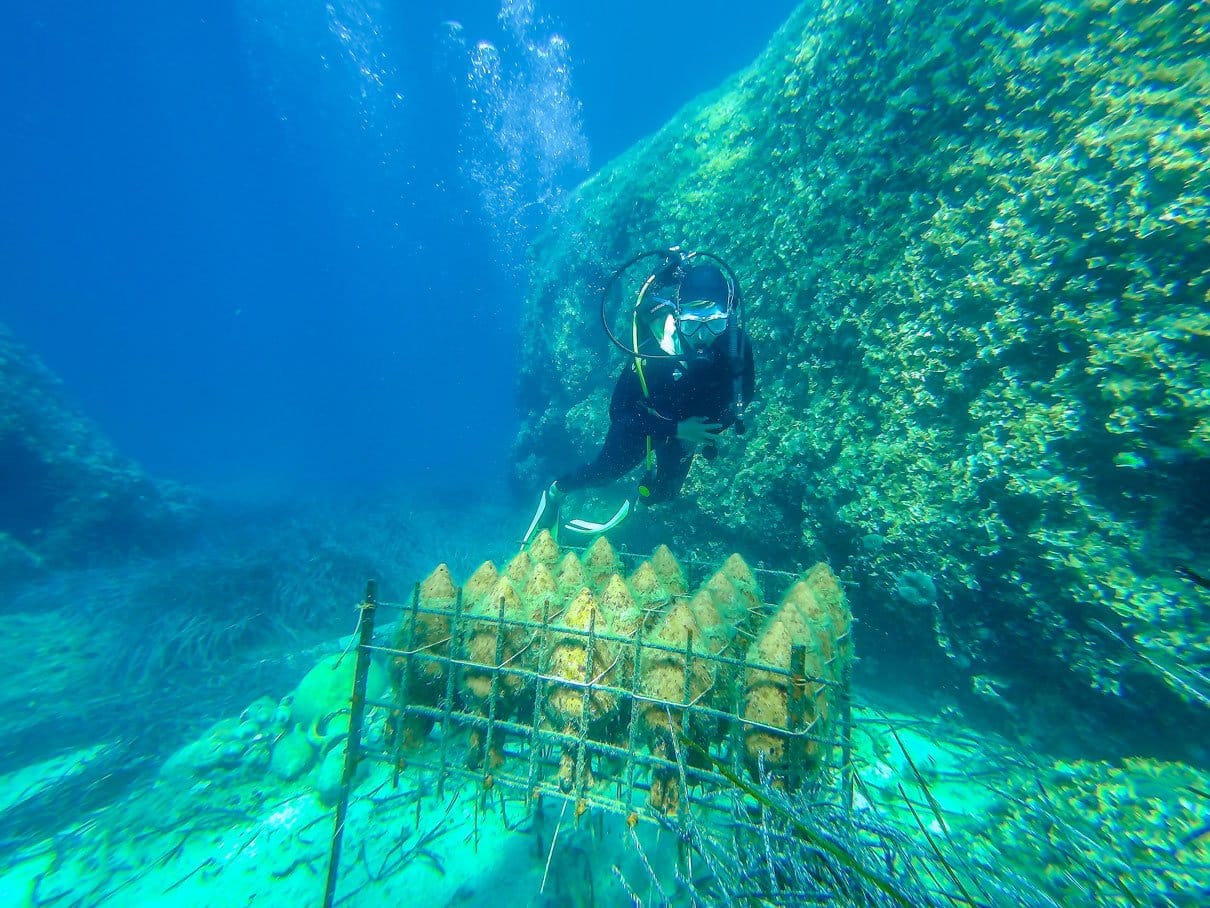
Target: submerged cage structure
(564, 676)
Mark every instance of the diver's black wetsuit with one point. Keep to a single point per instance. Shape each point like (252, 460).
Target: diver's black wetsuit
(678, 390)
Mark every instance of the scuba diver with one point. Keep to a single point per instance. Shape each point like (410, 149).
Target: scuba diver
(689, 378)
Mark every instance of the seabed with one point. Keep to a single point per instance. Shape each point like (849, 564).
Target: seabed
(928, 808)
(246, 842)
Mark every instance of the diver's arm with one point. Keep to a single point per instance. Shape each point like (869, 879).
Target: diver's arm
(736, 375)
(629, 407)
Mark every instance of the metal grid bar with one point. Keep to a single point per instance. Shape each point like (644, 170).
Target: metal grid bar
(585, 705)
(404, 685)
(632, 726)
(698, 708)
(455, 645)
(539, 690)
(709, 565)
(353, 750)
(579, 744)
(548, 736)
(493, 696)
(472, 720)
(719, 800)
(525, 624)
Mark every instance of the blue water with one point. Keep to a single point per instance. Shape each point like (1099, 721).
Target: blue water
(250, 238)
(277, 252)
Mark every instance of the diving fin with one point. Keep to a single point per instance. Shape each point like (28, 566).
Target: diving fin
(591, 528)
(547, 515)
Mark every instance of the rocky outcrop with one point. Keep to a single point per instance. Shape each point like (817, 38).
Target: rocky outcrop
(972, 241)
(67, 497)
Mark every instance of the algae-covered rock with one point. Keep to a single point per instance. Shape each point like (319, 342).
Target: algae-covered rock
(227, 747)
(971, 240)
(327, 688)
(328, 776)
(292, 755)
(1139, 829)
(69, 497)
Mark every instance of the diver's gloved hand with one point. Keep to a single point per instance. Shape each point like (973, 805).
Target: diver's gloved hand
(697, 430)
(547, 515)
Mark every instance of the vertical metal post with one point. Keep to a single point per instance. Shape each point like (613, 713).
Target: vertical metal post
(357, 708)
(635, 708)
(738, 738)
(582, 755)
(453, 654)
(682, 806)
(736, 744)
(796, 746)
(493, 696)
(687, 684)
(846, 736)
(541, 643)
(405, 687)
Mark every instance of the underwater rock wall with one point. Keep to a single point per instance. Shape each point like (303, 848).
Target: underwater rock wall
(69, 498)
(972, 241)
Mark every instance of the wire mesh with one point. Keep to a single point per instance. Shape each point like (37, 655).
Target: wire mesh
(513, 722)
(590, 764)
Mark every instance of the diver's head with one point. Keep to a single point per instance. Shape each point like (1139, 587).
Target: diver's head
(704, 303)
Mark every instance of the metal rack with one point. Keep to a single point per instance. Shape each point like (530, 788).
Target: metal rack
(703, 770)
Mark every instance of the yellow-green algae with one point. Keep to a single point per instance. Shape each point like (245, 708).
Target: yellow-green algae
(972, 239)
(1098, 834)
(1082, 832)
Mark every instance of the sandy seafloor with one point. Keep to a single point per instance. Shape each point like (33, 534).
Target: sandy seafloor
(436, 850)
(237, 839)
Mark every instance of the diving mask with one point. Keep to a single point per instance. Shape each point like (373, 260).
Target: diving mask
(701, 322)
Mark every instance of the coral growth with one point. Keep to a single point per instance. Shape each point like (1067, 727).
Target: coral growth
(670, 677)
(423, 680)
(808, 637)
